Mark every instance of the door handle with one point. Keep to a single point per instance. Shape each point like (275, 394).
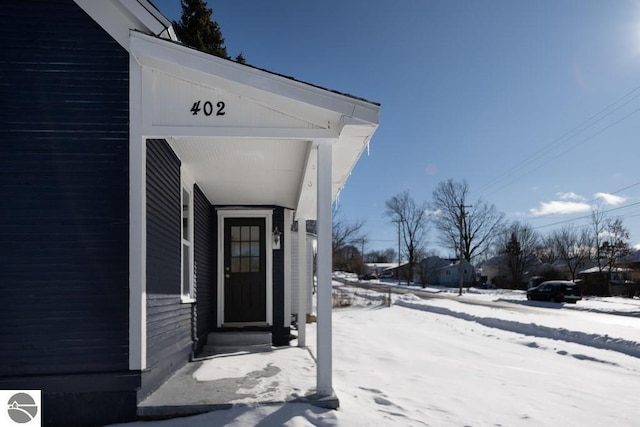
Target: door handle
(227, 275)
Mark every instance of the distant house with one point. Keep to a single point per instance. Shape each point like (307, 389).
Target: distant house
(380, 269)
(632, 260)
(394, 269)
(496, 270)
(566, 266)
(607, 281)
(149, 192)
(444, 272)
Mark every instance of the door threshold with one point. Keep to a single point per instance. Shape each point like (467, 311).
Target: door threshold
(245, 324)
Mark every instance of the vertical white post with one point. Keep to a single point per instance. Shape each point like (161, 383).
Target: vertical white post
(288, 220)
(324, 373)
(302, 282)
(137, 223)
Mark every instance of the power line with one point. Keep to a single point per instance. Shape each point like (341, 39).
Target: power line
(568, 149)
(567, 136)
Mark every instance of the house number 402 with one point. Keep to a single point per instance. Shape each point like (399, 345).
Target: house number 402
(207, 108)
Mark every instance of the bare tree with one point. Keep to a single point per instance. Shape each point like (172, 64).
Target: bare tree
(476, 225)
(412, 220)
(616, 246)
(381, 256)
(598, 222)
(519, 242)
(546, 251)
(573, 246)
(610, 239)
(347, 238)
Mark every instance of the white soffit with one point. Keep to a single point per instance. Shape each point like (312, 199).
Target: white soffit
(244, 171)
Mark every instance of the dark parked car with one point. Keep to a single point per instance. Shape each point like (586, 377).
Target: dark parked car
(556, 291)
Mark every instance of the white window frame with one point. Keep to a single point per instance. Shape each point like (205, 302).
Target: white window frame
(187, 290)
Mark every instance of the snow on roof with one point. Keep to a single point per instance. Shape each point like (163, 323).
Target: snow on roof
(631, 258)
(597, 269)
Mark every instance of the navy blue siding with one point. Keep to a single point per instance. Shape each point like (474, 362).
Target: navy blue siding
(64, 216)
(203, 245)
(169, 321)
(280, 333)
(163, 219)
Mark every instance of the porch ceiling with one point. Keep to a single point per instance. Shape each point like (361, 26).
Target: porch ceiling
(243, 171)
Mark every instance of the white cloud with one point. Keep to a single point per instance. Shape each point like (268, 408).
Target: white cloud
(560, 207)
(610, 199)
(570, 196)
(573, 203)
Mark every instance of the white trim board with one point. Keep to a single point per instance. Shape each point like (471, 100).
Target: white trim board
(223, 214)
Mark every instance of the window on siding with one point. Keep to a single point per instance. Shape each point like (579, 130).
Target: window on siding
(187, 284)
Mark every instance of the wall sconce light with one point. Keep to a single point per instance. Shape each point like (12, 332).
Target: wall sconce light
(276, 238)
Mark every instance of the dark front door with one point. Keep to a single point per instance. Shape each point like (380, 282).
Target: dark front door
(245, 279)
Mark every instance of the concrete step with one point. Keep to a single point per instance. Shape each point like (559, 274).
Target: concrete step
(239, 338)
(233, 342)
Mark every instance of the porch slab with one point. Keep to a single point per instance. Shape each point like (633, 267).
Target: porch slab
(257, 377)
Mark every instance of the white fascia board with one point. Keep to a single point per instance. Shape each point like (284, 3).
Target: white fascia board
(154, 131)
(170, 33)
(181, 60)
(148, 17)
(119, 17)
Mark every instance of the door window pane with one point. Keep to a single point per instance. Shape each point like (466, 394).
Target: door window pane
(245, 249)
(255, 264)
(245, 234)
(235, 249)
(255, 249)
(235, 234)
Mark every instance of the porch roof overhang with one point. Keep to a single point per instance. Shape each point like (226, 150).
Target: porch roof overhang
(244, 135)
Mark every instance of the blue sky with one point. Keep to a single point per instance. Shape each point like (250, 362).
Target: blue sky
(535, 104)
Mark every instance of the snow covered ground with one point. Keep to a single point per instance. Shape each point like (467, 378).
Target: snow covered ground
(486, 358)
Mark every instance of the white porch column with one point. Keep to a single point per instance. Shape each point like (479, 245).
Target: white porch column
(137, 223)
(302, 282)
(324, 372)
(288, 221)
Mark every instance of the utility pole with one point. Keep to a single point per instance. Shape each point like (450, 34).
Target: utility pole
(460, 266)
(398, 271)
(363, 267)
